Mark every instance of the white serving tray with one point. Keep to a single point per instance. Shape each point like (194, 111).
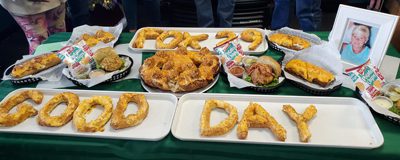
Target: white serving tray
(180, 94)
(155, 127)
(149, 45)
(339, 122)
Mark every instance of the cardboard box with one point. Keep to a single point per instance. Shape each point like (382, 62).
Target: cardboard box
(394, 8)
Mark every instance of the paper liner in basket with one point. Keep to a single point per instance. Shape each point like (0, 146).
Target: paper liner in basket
(379, 109)
(97, 80)
(91, 30)
(50, 74)
(325, 56)
(239, 82)
(314, 39)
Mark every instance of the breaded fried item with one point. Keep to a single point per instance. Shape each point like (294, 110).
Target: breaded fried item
(177, 35)
(119, 120)
(24, 110)
(108, 59)
(229, 35)
(253, 36)
(221, 128)
(180, 70)
(255, 116)
(72, 101)
(146, 33)
(192, 41)
(85, 107)
(301, 120)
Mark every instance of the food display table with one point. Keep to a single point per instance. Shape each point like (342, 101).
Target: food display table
(23, 146)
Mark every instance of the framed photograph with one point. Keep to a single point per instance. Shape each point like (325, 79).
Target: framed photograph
(361, 34)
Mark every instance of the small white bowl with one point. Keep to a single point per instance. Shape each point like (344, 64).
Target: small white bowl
(383, 102)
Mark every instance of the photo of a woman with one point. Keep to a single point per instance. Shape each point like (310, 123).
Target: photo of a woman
(357, 51)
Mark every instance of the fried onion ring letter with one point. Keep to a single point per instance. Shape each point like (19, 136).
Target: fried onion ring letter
(178, 37)
(255, 116)
(253, 36)
(119, 121)
(146, 33)
(72, 101)
(24, 110)
(192, 41)
(221, 128)
(301, 120)
(85, 107)
(229, 35)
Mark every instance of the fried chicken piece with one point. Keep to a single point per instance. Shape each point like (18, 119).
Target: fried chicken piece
(261, 74)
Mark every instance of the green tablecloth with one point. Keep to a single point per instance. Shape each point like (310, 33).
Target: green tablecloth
(21, 146)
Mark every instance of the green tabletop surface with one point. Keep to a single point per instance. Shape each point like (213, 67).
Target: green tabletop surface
(29, 146)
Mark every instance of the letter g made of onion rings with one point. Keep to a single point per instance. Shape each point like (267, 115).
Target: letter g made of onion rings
(72, 101)
(24, 110)
(85, 107)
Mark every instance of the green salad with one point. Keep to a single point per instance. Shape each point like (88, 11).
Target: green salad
(395, 110)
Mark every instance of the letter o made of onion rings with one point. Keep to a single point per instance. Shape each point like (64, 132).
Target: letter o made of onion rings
(44, 118)
(119, 121)
(24, 110)
(178, 37)
(252, 35)
(85, 107)
(222, 127)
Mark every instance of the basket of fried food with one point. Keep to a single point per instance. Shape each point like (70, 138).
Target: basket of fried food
(263, 74)
(313, 72)
(109, 66)
(34, 69)
(96, 36)
(180, 70)
(386, 103)
(291, 41)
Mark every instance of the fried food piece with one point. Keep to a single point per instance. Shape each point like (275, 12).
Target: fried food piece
(146, 33)
(99, 36)
(229, 35)
(276, 67)
(152, 33)
(180, 70)
(35, 65)
(85, 107)
(72, 101)
(104, 36)
(310, 72)
(221, 128)
(139, 41)
(301, 120)
(253, 36)
(192, 41)
(24, 110)
(178, 37)
(261, 74)
(110, 64)
(289, 41)
(119, 120)
(108, 59)
(255, 116)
